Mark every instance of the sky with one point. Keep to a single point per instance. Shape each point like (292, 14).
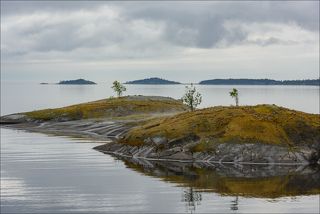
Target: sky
(182, 41)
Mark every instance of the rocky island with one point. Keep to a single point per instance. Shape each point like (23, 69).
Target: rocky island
(76, 82)
(153, 81)
(314, 82)
(162, 128)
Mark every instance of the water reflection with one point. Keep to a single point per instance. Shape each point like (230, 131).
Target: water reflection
(234, 204)
(238, 181)
(41, 174)
(259, 181)
(192, 199)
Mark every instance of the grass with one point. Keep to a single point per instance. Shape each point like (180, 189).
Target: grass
(112, 108)
(268, 124)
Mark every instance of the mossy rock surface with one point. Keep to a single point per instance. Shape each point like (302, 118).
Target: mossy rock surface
(266, 124)
(113, 107)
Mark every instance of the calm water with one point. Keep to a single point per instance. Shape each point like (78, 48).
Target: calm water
(18, 97)
(41, 173)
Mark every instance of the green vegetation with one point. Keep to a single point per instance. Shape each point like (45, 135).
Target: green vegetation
(154, 81)
(192, 98)
(118, 88)
(234, 94)
(113, 107)
(76, 82)
(268, 124)
(259, 82)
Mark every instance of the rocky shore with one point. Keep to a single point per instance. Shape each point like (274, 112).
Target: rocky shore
(103, 120)
(104, 131)
(225, 153)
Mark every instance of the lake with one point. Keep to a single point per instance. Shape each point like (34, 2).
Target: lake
(22, 96)
(52, 174)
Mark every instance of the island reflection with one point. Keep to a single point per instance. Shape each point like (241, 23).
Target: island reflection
(258, 181)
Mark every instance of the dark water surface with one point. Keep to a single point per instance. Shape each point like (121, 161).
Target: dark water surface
(41, 173)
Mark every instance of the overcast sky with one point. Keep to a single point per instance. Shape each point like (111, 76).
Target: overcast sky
(183, 41)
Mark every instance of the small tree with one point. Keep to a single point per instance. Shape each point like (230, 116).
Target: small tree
(118, 88)
(192, 98)
(234, 94)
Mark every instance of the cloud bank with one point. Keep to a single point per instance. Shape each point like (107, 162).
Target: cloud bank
(160, 33)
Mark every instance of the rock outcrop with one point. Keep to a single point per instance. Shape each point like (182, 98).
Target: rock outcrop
(263, 134)
(160, 128)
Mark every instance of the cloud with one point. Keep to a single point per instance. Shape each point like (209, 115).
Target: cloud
(102, 29)
(163, 35)
(205, 21)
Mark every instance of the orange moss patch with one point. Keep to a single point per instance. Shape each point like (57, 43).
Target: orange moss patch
(113, 107)
(257, 124)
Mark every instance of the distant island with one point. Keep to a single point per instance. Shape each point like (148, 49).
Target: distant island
(154, 80)
(259, 82)
(76, 82)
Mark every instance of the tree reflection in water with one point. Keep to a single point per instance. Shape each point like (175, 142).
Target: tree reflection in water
(234, 204)
(192, 199)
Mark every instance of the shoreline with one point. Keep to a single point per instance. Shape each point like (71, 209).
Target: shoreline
(66, 129)
(201, 161)
(105, 140)
(86, 129)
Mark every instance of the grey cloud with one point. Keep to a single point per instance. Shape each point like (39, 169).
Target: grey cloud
(207, 18)
(269, 41)
(180, 24)
(26, 7)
